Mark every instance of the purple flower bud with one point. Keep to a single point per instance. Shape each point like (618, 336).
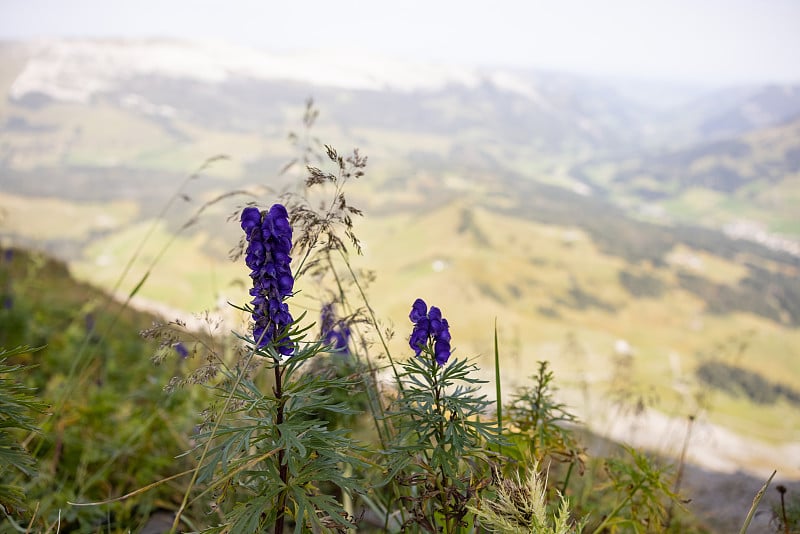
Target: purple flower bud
(441, 349)
(419, 337)
(418, 310)
(278, 212)
(444, 333)
(251, 218)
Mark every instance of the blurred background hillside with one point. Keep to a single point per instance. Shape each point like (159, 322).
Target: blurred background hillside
(617, 184)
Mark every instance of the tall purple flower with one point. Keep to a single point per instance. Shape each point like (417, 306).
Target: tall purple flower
(269, 242)
(429, 326)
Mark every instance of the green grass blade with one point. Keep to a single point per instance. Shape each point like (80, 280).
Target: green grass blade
(756, 501)
(139, 285)
(498, 387)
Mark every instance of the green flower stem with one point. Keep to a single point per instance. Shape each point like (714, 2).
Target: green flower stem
(438, 394)
(566, 478)
(283, 465)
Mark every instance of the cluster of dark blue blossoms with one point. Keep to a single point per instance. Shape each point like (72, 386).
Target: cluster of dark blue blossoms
(429, 326)
(334, 331)
(269, 241)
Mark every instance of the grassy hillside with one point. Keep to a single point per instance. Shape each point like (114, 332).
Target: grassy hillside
(109, 428)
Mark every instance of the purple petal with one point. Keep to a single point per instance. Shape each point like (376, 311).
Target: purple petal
(442, 351)
(251, 218)
(419, 310)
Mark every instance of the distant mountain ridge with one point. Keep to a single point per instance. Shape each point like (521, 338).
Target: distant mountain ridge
(156, 77)
(80, 70)
(752, 108)
(77, 69)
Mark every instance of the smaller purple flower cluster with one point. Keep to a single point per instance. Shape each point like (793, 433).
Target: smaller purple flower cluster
(429, 325)
(269, 241)
(334, 331)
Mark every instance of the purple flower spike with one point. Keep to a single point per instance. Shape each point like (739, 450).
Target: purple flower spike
(429, 326)
(269, 242)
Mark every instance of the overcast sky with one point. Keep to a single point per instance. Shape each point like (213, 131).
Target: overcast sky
(706, 41)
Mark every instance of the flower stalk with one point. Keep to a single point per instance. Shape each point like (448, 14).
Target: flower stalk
(283, 471)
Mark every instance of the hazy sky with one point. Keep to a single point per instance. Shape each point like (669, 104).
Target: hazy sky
(709, 41)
